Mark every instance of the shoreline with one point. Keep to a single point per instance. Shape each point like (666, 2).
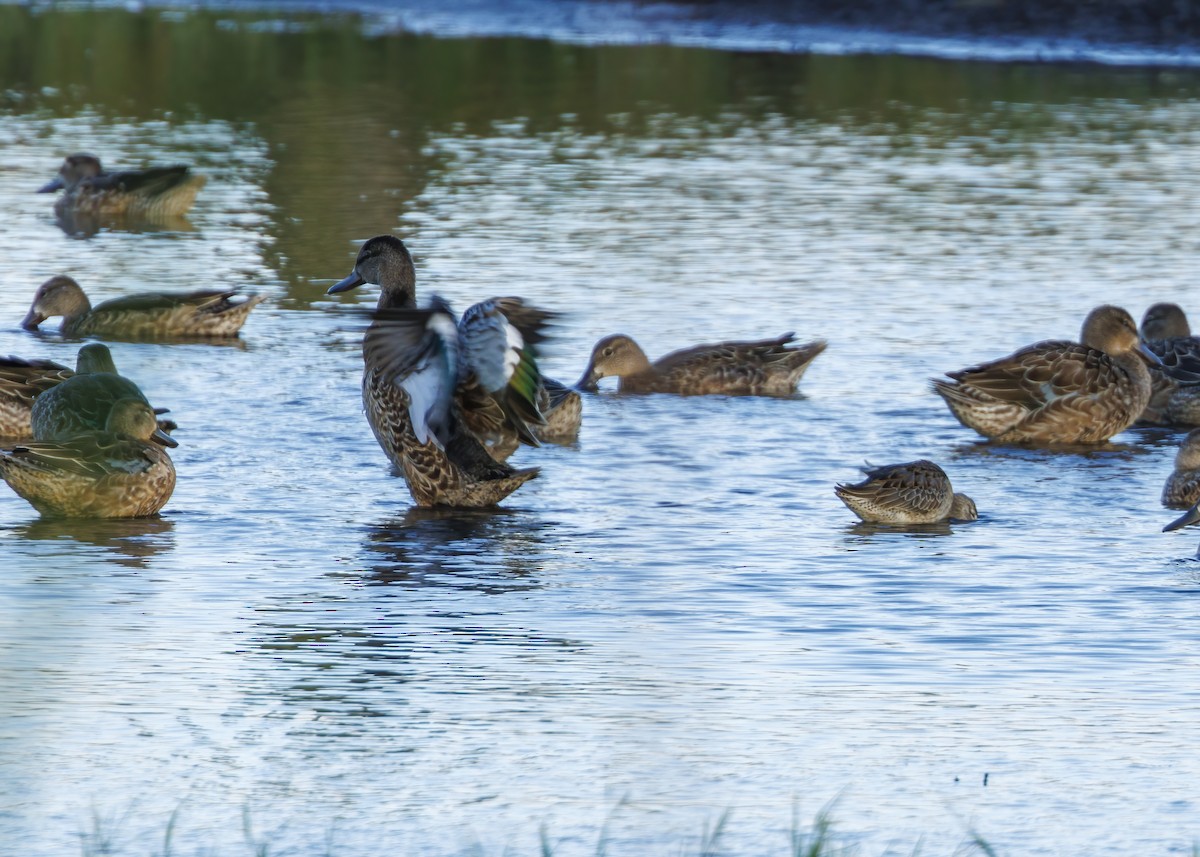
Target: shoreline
(1136, 33)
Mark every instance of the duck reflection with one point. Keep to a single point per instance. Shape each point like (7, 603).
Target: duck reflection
(77, 224)
(865, 532)
(128, 542)
(483, 550)
(424, 622)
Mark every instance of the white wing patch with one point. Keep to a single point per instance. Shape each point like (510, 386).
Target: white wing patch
(430, 385)
(427, 398)
(512, 354)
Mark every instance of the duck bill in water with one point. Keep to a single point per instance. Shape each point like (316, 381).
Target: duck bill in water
(32, 320)
(51, 186)
(1191, 516)
(355, 279)
(590, 381)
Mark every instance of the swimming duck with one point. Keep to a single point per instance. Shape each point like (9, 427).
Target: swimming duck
(22, 381)
(917, 492)
(154, 193)
(148, 315)
(115, 473)
(1182, 488)
(766, 367)
(1058, 392)
(83, 402)
(1175, 385)
(434, 386)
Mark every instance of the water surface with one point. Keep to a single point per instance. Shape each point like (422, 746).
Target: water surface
(678, 618)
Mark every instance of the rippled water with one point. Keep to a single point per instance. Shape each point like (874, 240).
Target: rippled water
(679, 617)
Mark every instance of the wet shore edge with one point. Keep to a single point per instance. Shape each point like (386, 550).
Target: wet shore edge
(1170, 24)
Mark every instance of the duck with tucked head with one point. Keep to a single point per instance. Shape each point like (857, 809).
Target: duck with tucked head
(114, 473)
(917, 492)
(158, 192)
(206, 314)
(1175, 385)
(436, 387)
(1058, 392)
(766, 367)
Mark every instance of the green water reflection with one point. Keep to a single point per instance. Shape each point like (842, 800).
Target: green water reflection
(347, 117)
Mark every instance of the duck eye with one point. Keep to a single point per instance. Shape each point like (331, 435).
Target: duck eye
(608, 351)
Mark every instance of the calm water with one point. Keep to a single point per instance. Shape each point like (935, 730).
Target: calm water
(679, 618)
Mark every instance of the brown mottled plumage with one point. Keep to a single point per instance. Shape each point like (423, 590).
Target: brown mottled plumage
(562, 407)
(1058, 392)
(1175, 385)
(1182, 488)
(766, 367)
(116, 473)
(22, 381)
(159, 192)
(431, 383)
(148, 315)
(918, 492)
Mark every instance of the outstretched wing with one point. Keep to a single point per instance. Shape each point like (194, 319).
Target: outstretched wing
(415, 351)
(499, 376)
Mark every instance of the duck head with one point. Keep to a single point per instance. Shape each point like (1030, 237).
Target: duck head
(57, 296)
(136, 419)
(386, 262)
(1165, 321)
(1111, 329)
(613, 357)
(74, 169)
(94, 357)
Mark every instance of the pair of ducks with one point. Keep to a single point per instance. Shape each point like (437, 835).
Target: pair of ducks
(449, 399)
(97, 445)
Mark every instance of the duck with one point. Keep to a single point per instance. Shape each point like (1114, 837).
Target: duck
(1182, 488)
(765, 367)
(144, 316)
(22, 381)
(114, 473)
(1058, 392)
(1175, 385)
(82, 403)
(916, 492)
(437, 388)
(159, 192)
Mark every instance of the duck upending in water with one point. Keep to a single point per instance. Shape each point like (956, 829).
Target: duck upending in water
(918, 492)
(766, 367)
(154, 193)
(146, 316)
(84, 402)
(433, 386)
(114, 473)
(1058, 392)
(1175, 385)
